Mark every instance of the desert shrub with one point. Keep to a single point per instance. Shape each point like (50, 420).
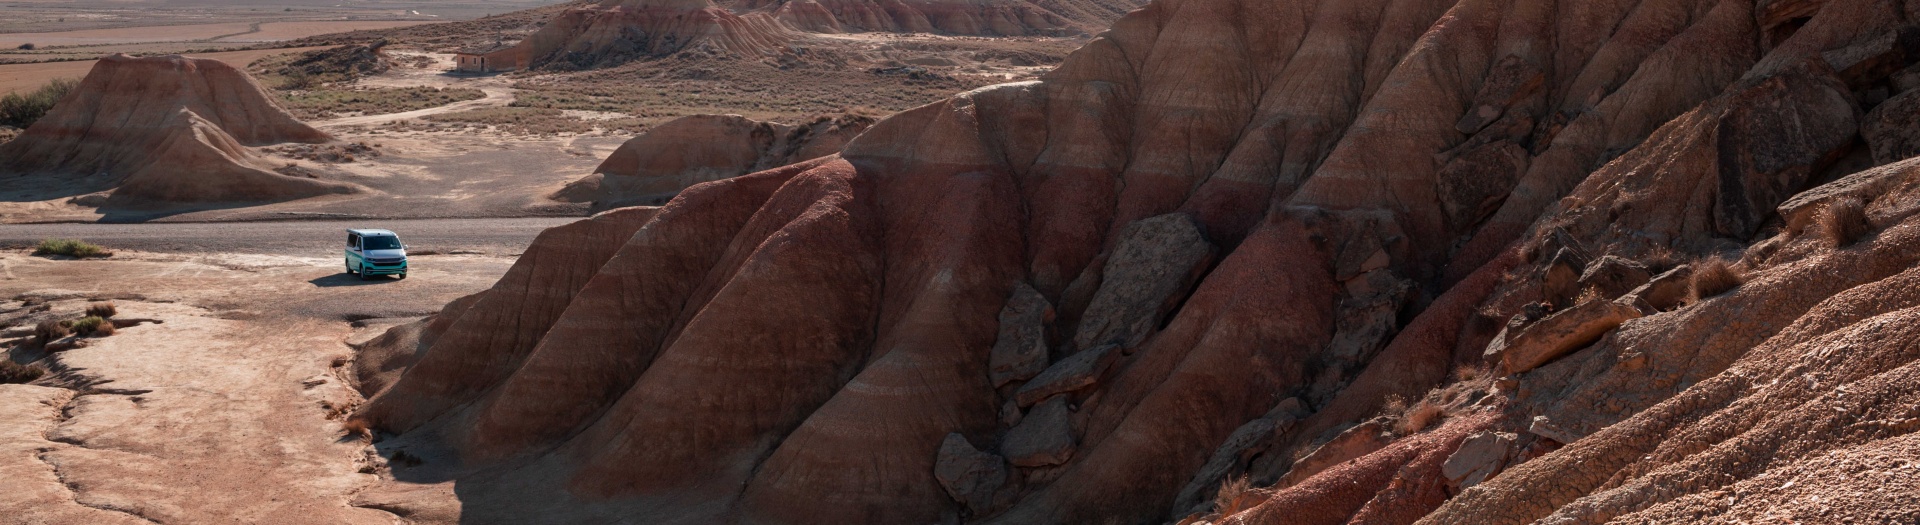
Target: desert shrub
(91, 325)
(1844, 221)
(47, 331)
(27, 46)
(1470, 373)
(324, 103)
(1232, 498)
(11, 372)
(69, 247)
(102, 309)
(1715, 276)
(20, 110)
(1419, 416)
(520, 120)
(357, 427)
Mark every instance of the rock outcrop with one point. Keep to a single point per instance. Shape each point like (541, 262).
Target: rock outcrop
(161, 131)
(1350, 201)
(653, 167)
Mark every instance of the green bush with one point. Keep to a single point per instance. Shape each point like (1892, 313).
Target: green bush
(20, 111)
(92, 325)
(70, 247)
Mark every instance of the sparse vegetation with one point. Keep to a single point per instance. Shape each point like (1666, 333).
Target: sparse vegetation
(27, 46)
(14, 373)
(1418, 417)
(47, 331)
(302, 70)
(102, 309)
(91, 326)
(1233, 496)
(1715, 276)
(518, 120)
(70, 248)
(1843, 221)
(20, 111)
(327, 102)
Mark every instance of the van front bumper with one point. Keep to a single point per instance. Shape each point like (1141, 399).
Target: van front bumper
(387, 269)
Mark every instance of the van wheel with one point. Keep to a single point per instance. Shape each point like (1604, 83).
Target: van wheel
(349, 268)
(403, 276)
(364, 276)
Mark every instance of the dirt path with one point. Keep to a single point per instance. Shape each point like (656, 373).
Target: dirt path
(496, 97)
(223, 413)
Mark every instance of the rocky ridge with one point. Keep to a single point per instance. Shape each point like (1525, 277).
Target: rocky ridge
(1438, 261)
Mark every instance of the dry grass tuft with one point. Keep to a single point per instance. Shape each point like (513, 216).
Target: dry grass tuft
(1844, 221)
(357, 427)
(102, 309)
(1418, 417)
(11, 372)
(1715, 276)
(1236, 495)
(47, 331)
(1470, 373)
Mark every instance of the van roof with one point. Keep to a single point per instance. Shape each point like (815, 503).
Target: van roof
(371, 233)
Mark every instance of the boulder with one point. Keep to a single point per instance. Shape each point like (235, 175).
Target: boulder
(1020, 352)
(1156, 261)
(1666, 291)
(1044, 437)
(970, 476)
(1480, 457)
(1613, 276)
(1558, 334)
(1076, 372)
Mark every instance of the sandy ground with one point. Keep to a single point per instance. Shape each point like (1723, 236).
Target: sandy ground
(30, 76)
(227, 411)
(418, 174)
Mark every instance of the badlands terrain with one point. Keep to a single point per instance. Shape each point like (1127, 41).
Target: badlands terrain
(986, 261)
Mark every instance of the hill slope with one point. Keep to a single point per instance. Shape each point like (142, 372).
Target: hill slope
(1390, 260)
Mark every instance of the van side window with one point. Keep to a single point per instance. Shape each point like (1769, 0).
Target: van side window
(353, 242)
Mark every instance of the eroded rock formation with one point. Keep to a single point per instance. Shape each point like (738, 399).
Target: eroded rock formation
(1270, 241)
(655, 166)
(163, 130)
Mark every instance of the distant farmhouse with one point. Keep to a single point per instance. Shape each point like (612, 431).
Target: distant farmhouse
(494, 58)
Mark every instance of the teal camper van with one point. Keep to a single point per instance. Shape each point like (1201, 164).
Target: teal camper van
(375, 252)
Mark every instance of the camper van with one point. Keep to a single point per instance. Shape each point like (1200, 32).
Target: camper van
(375, 252)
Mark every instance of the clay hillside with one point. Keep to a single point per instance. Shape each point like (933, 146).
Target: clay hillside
(162, 131)
(1247, 261)
(653, 167)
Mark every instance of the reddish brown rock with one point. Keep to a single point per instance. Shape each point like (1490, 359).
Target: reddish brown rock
(658, 164)
(797, 345)
(1020, 352)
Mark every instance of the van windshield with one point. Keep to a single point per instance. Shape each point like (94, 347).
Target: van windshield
(379, 243)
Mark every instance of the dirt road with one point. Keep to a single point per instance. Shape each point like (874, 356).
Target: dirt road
(295, 238)
(496, 97)
(230, 410)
